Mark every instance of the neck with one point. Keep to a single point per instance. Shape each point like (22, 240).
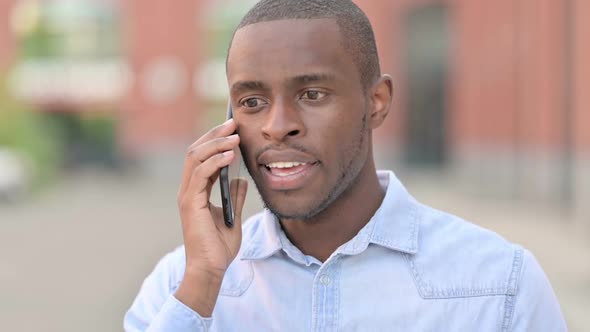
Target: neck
(321, 235)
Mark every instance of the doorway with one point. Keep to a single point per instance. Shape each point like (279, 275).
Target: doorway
(427, 58)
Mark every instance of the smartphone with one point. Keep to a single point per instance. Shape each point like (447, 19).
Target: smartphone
(224, 182)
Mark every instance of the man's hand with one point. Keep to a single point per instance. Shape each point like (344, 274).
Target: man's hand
(209, 244)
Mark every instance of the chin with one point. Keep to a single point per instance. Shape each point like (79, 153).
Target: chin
(289, 208)
(291, 214)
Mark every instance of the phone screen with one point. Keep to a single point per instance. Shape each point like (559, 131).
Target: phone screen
(229, 184)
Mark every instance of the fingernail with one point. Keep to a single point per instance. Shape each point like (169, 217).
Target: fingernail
(228, 121)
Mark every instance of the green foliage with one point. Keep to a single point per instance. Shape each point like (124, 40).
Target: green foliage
(97, 138)
(41, 43)
(221, 22)
(26, 132)
(100, 130)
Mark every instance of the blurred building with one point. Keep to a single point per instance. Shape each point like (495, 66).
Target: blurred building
(7, 44)
(489, 92)
(493, 92)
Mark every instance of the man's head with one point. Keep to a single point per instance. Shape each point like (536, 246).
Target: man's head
(357, 34)
(306, 94)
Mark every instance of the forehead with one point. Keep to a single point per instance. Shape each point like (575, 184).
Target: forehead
(285, 48)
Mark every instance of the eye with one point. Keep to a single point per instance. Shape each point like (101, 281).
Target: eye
(252, 102)
(313, 95)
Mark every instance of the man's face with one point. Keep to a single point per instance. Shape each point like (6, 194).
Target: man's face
(301, 113)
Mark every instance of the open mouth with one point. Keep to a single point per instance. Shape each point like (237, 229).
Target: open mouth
(288, 175)
(287, 168)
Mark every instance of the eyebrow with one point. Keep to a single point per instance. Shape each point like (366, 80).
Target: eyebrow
(314, 77)
(240, 86)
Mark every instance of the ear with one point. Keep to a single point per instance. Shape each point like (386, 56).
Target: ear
(381, 95)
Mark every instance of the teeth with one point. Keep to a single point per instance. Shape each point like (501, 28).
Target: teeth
(285, 164)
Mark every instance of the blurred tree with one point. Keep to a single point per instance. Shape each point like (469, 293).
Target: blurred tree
(26, 133)
(40, 43)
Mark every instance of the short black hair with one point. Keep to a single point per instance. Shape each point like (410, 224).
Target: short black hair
(357, 34)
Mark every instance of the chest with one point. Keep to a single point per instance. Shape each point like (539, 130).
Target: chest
(347, 296)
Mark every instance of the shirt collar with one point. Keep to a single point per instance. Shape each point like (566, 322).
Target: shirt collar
(265, 237)
(394, 225)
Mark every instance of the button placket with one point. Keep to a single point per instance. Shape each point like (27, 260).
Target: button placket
(326, 297)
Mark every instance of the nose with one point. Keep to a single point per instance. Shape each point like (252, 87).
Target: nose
(283, 120)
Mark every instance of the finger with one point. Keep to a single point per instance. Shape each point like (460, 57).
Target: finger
(205, 174)
(212, 181)
(238, 188)
(225, 129)
(199, 153)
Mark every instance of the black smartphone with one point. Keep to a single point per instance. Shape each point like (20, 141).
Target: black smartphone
(224, 183)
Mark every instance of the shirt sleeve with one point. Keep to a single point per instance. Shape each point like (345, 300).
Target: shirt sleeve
(535, 305)
(156, 309)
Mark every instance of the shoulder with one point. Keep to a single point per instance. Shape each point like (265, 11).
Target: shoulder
(457, 258)
(169, 270)
(156, 289)
(535, 306)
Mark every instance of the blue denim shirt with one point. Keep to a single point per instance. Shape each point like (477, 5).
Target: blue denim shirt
(411, 268)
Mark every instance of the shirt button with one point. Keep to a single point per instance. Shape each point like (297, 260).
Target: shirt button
(325, 279)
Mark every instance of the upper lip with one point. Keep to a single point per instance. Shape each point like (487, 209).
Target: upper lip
(273, 156)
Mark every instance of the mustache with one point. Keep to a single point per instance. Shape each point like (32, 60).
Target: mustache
(282, 147)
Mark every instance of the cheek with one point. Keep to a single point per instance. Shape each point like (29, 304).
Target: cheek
(247, 140)
(336, 131)
(348, 144)
(247, 146)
